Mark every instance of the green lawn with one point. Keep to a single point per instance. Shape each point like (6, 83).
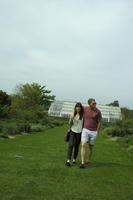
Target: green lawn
(32, 168)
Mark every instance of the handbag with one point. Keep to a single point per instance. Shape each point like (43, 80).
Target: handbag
(67, 136)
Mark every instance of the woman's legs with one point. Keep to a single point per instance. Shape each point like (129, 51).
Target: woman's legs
(76, 145)
(71, 145)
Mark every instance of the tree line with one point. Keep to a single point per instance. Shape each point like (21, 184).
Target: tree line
(29, 101)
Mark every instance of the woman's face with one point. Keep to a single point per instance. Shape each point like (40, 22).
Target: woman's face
(78, 109)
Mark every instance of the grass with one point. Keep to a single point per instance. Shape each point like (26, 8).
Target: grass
(127, 143)
(32, 168)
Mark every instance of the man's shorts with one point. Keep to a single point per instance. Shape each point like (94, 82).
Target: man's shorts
(88, 136)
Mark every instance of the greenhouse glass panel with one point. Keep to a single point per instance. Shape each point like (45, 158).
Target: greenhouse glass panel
(64, 108)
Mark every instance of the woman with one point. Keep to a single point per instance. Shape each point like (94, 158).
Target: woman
(76, 124)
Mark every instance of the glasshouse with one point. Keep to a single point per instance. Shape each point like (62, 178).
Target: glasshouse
(64, 108)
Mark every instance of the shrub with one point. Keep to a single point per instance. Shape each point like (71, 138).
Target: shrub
(51, 125)
(126, 142)
(33, 115)
(117, 131)
(1, 127)
(130, 149)
(37, 128)
(108, 131)
(57, 123)
(15, 128)
(126, 123)
(10, 129)
(25, 127)
(44, 121)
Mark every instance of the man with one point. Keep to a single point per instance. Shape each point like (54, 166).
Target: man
(91, 127)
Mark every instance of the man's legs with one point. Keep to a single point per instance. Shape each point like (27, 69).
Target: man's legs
(90, 153)
(84, 140)
(93, 136)
(83, 148)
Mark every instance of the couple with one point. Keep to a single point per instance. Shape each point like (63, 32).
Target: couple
(85, 125)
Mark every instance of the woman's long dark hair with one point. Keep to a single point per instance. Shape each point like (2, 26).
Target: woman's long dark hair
(81, 111)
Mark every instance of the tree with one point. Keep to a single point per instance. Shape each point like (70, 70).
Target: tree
(127, 113)
(29, 96)
(30, 101)
(4, 98)
(5, 103)
(115, 103)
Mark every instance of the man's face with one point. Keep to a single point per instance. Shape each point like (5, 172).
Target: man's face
(93, 104)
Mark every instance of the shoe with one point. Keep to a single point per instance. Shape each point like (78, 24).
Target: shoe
(68, 164)
(74, 162)
(87, 163)
(82, 166)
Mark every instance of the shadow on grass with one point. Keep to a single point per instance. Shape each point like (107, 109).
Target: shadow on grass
(109, 164)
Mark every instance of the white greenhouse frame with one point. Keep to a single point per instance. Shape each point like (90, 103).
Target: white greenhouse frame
(63, 109)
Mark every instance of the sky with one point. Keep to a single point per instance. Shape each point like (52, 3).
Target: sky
(78, 49)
